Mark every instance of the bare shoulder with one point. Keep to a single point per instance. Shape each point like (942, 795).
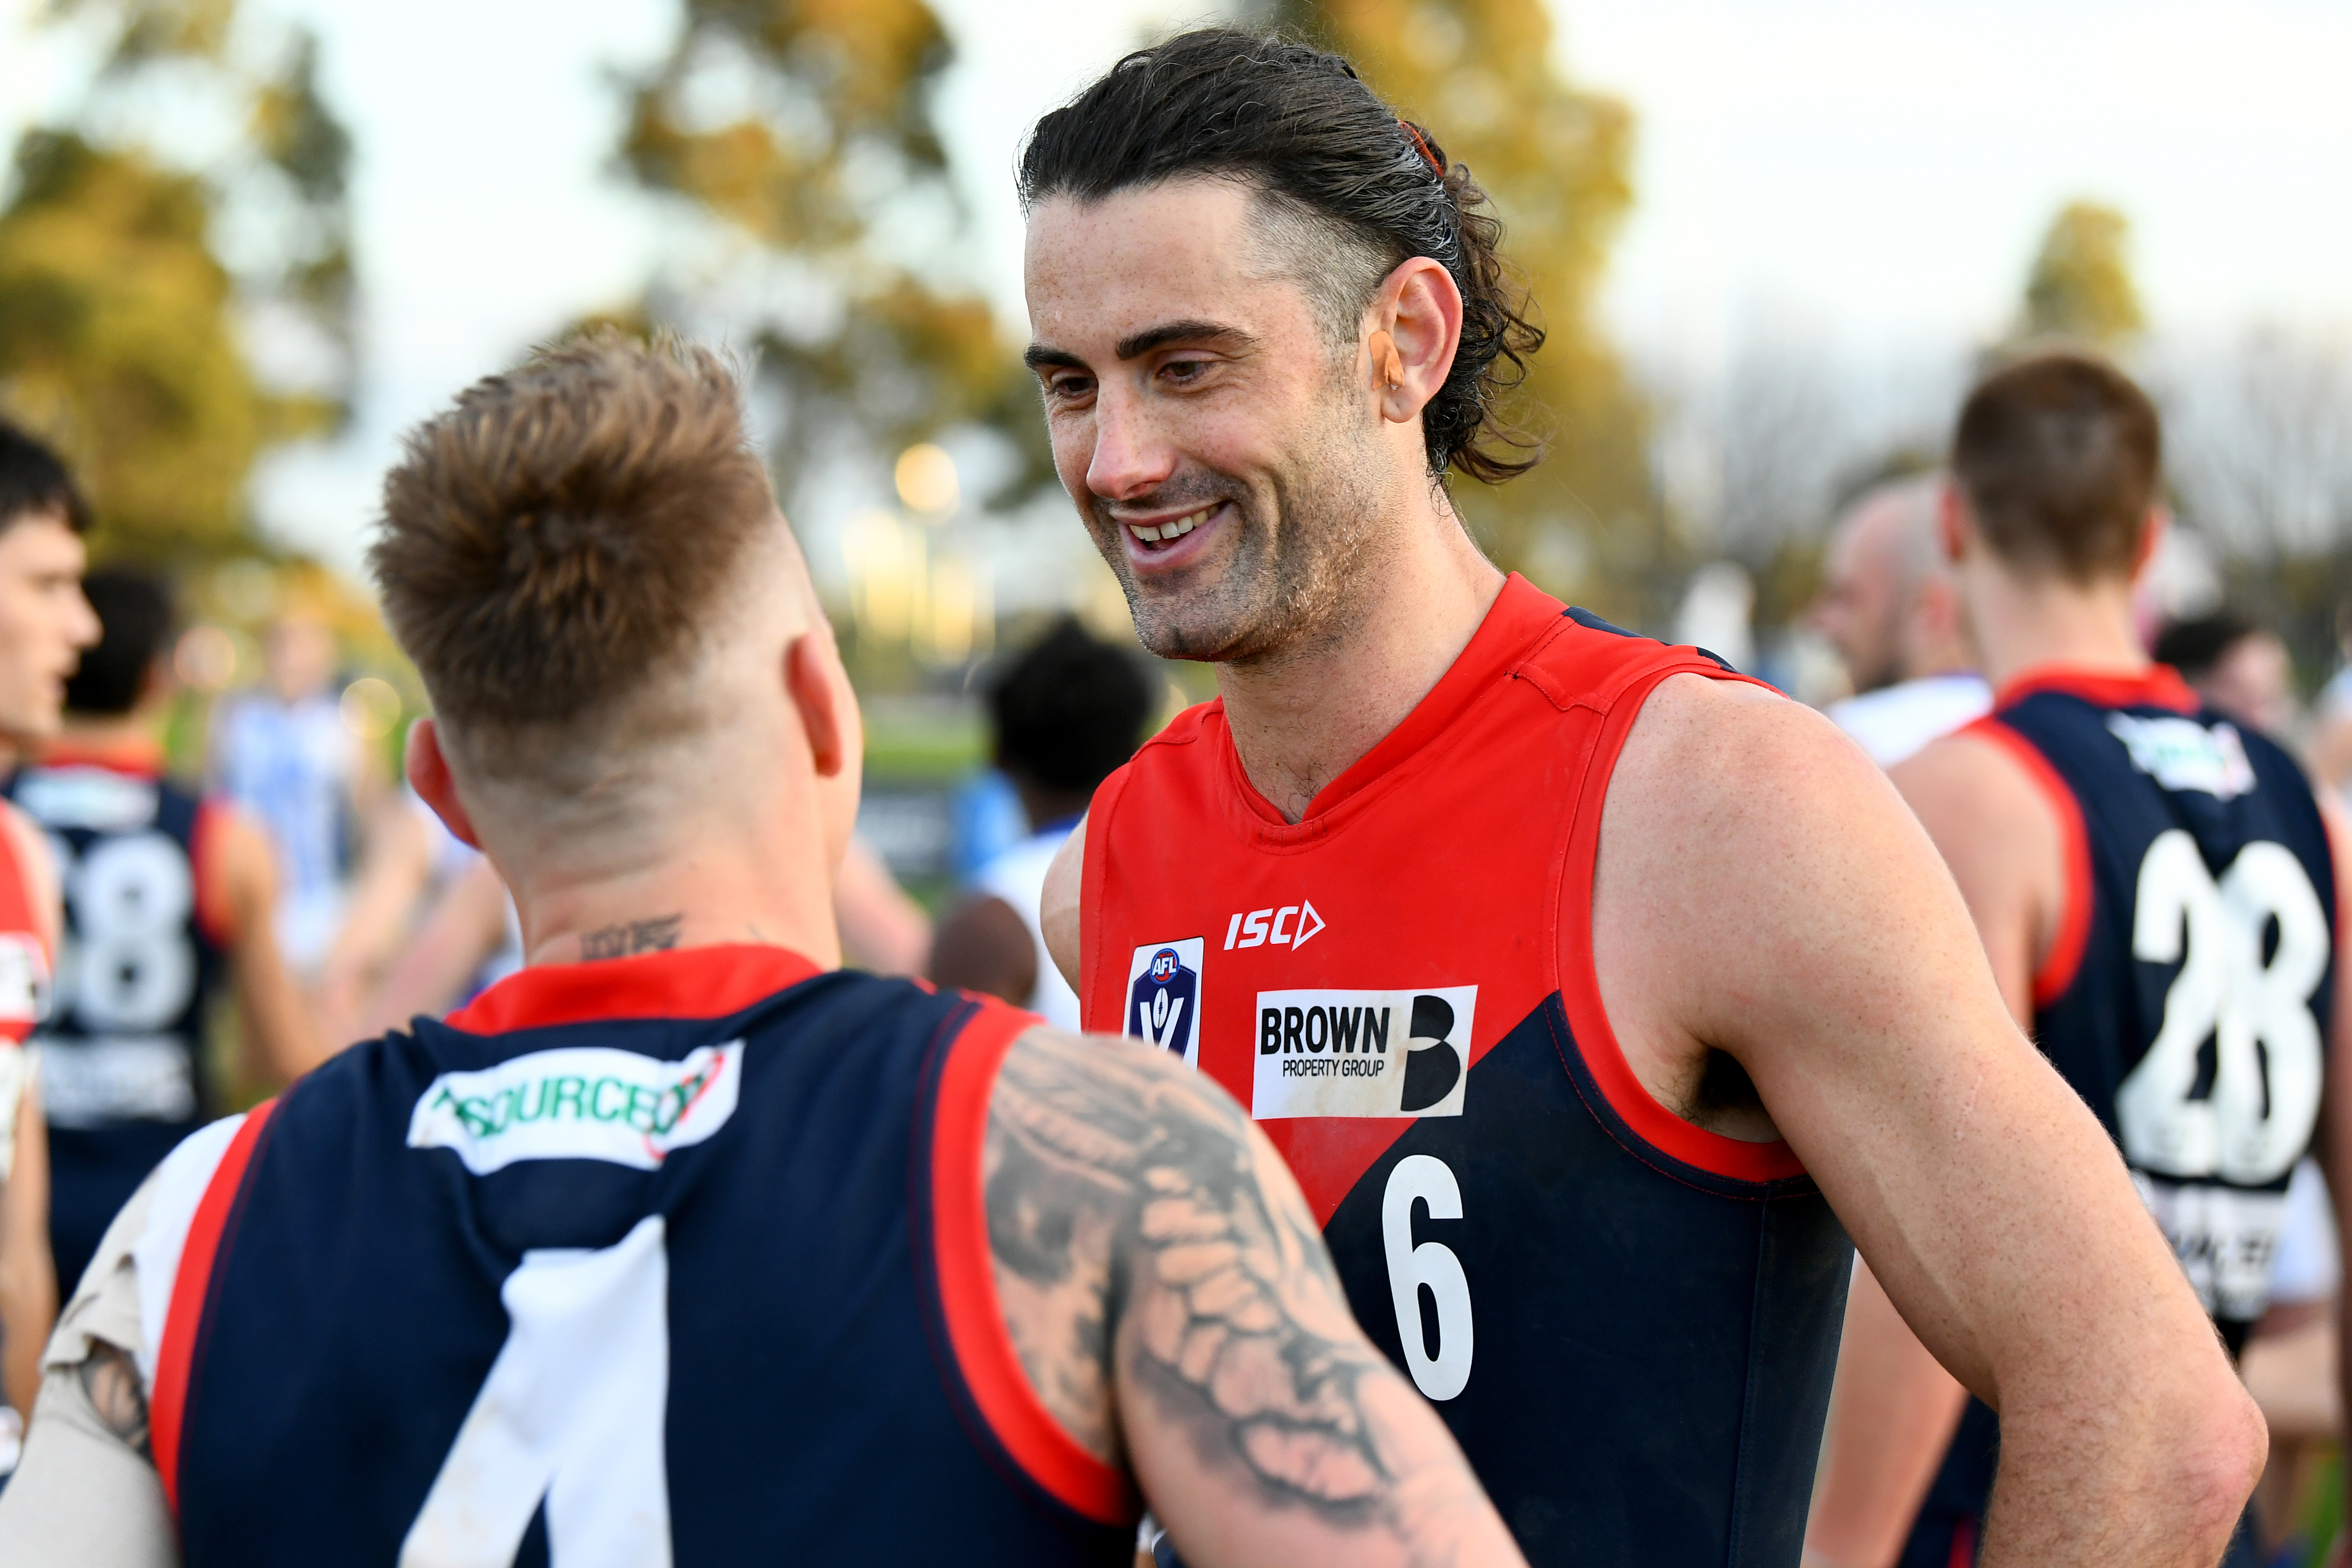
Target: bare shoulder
(1967, 785)
(1057, 906)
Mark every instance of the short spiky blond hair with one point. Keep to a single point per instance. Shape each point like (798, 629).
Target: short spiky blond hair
(555, 541)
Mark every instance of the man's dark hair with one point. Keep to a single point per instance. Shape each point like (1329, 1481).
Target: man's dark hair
(2058, 456)
(1350, 190)
(2194, 646)
(1069, 709)
(135, 620)
(34, 480)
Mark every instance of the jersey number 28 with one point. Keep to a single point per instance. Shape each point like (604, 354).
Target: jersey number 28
(2254, 1123)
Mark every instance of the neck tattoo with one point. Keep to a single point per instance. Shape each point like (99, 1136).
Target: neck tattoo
(631, 936)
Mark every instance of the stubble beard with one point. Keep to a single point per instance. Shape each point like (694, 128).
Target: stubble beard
(1291, 584)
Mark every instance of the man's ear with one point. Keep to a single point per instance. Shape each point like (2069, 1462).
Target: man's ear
(808, 676)
(1416, 328)
(428, 774)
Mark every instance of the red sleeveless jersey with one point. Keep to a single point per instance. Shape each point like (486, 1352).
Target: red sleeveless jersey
(1630, 1322)
(24, 988)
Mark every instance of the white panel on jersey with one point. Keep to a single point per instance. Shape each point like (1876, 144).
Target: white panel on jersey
(180, 1183)
(573, 1411)
(579, 1102)
(97, 798)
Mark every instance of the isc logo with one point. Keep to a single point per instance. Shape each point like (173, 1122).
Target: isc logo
(1287, 926)
(1362, 1053)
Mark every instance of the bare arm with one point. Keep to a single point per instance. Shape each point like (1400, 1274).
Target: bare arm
(282, 1036)
(465, 925)
(1172, 1303)
(1058, 905)
(1763, 892)
(394, 871)
(882, 930)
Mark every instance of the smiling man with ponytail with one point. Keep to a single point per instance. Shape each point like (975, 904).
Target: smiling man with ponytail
(1595, 994)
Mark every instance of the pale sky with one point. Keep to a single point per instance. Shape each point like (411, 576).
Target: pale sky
(1871, 172)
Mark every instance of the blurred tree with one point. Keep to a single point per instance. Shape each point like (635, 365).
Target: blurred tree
(1556, 159)
(802, 128)
(140, 288)
(2081, 286)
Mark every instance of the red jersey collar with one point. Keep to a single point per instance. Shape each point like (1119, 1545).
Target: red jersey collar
(690, 983)
(2158, 685)
(1521, 614)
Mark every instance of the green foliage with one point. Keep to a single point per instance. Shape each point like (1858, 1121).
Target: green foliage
(803, 128)
(2081, 286)
(1556, 159)
(122, 329)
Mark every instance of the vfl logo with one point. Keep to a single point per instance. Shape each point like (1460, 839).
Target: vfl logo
(1362, 1053)
(1253, 930)
(1163, 996)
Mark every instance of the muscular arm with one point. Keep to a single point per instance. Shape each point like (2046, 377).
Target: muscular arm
(1763, 892)
(1894, 1409)
(282, 1038)
(464, 926)
(1172, 1303)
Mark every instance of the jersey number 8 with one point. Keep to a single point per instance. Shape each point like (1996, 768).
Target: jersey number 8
(129, 968)
(2254, 1123)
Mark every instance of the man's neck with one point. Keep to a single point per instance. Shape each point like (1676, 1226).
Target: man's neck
(1299, 720)
(2028, 623)
(129, 737)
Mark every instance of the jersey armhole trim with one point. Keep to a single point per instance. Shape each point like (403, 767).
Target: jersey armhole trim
(191, 1285)
(1591, 1036)
(980, 1348)
(2056, 971)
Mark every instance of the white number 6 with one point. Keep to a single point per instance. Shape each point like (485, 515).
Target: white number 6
(1420, 1178)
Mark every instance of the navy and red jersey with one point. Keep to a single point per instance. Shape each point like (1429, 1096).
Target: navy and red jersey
(125, 1071)
(24, 989)
(671, 1259)
(2187, 991)
(1629, 1323)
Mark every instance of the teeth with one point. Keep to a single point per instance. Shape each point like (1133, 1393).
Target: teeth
(1176, 529)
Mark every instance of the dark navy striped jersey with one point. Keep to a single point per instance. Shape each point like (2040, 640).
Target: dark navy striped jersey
(2188, 993)
(1629, 1323)
(125, 1071)
(678, 1258)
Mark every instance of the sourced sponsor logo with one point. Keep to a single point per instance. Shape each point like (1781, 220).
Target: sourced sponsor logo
(579, 1102)
(2182, 754)
(1282, 925)
(1362, 1053)
(1163, 995)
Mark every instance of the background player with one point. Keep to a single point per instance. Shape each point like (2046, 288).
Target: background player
(1065, 712)
(643, 1252)
(2154, 885)
(168, 898)
(1267, 318)
(1889, 606)
(44, 623)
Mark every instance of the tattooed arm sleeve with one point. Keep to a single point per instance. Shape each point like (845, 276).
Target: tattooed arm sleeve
(1171, 1300)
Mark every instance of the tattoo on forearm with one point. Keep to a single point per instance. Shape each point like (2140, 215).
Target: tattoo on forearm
(111, 1378)
(631, 936)
(1240, 1327)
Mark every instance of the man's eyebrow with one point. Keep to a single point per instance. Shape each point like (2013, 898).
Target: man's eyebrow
(1203, 332)
(1039, 356)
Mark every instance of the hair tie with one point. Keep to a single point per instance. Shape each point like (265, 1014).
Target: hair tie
(1435, 167)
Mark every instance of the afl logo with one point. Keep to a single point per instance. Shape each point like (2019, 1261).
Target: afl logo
(1163, 996)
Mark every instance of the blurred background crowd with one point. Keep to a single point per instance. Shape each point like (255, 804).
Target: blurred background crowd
(244, 243)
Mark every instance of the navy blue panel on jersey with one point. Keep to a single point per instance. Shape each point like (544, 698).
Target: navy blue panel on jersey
(123, 1071)
(1689, 1408)
(355, 1311)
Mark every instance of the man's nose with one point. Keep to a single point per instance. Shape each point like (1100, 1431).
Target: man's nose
(1132, 456)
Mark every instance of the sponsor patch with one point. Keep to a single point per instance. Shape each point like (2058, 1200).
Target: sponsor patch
(2224, 1237)
(1163, 996)
(1362, 1053)
(579, 1102)
(2182, 754)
